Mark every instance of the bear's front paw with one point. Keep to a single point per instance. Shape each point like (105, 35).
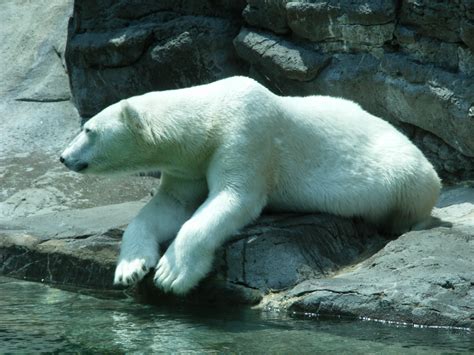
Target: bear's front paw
(179, 274)
(129, 272)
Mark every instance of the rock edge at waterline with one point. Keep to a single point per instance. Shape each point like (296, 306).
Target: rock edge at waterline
(316, 263)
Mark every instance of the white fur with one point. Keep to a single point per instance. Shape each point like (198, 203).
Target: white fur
(230, 148)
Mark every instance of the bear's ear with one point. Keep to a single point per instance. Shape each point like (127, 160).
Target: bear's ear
(130, 116)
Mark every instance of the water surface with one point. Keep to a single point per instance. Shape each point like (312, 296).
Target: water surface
(35, 317)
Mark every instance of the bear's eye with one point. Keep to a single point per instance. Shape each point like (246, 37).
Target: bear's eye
(87, 130)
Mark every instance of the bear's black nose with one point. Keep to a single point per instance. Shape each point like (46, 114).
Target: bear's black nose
(61, 159)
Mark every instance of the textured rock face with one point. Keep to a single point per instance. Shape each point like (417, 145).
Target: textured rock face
(412, 279)
(121, 49)
(410, 62)
(382, 286)
(310, 246)
(360, 27)
(280, 56)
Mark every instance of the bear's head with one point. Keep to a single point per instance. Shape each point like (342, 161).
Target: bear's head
(112, 142)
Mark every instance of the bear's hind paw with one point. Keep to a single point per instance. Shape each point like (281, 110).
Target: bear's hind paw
(129, 272)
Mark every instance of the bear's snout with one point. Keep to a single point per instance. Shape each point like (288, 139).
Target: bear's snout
(74, 165)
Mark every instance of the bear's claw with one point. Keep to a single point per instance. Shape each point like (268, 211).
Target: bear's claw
(129, 272)
(166, 274)
(180, 275)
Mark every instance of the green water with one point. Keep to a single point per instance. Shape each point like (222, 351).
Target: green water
(35, 317)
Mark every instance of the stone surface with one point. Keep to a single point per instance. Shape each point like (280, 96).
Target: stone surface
(77, 247)
(467, 33)
(409, 281)
(427, 49)
(308, 246)
(301, 263)
(267, 14)
(423, 277)
(120, 51)
(280, 56)
(110, 14)
(367, 25)
(38, 119)
(433, 18)
(34, 91)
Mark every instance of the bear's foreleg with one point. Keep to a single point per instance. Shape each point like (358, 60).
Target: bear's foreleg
(189, 258)
(157, 222)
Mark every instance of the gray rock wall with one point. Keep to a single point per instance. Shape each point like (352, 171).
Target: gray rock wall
(410, 62)
(117, 49)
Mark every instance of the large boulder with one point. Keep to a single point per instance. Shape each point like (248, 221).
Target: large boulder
(277, 55)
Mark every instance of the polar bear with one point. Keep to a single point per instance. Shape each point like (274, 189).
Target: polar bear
(230, 148)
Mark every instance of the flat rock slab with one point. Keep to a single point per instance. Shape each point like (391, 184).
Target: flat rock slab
(317, 263)
(423, 277)
(277, 252)
(74, 247)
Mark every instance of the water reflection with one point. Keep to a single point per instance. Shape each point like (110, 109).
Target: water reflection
(34, 318)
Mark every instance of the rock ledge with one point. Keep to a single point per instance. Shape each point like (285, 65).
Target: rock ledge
(317, 263)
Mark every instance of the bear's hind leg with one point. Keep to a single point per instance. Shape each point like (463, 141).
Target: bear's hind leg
(414, 204)
(395, 223)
